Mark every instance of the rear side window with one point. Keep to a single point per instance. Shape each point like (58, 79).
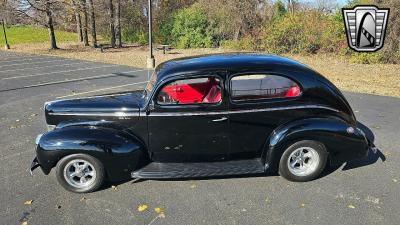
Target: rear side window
(262, 86)
(191, 91)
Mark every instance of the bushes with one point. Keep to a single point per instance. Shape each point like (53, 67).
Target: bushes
(132, 36)
(309, 32)
(190, 29)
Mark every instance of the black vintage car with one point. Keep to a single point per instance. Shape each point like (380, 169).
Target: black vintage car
(214, 115)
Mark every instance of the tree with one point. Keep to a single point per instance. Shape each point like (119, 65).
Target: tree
(42, 12)
(111, 21)
(93, 23)
(78, 20)
(291, 5)
(232, 19)
(83, 8)
(118, 24)
(279, 9)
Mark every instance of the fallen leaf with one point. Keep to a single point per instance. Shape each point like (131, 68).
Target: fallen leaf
(193, 186)
(83, 199)
(29, 202)
(302, 204)
(352, 207)
(142, 208)
(158, 210)
(25, 223)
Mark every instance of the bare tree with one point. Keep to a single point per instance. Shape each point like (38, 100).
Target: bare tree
(112, 20)
(93, 23)
(42, 12)
(85, 23)
(118, 24)
(78, 20)
(291, 5)
(326, 6)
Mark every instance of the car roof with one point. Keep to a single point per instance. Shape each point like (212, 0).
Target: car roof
(225, 61)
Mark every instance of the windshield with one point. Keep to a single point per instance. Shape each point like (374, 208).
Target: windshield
(150, 85)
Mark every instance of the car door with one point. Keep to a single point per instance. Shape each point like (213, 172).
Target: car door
(188, 122)
(258, 103)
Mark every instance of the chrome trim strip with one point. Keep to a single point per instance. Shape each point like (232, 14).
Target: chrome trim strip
(126, 114)
(243, 111)
(115, 114)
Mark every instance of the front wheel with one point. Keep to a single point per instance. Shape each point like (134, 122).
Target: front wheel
(80, 173)
(303, 161)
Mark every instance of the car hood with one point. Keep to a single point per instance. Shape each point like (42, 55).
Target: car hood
(116, 105)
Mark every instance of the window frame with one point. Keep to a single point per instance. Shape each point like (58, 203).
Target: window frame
(188, 77)
(261, 100)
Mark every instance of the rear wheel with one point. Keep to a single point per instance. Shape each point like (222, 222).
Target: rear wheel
(80, 173)
(303, 161)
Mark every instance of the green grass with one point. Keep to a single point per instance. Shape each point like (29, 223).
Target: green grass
(32, 34)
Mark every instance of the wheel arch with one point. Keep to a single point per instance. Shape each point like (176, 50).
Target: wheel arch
(333, 133)
(119, 152)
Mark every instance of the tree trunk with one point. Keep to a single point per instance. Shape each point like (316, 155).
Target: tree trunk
(85, 23)
(112, 19)
(78, 20)
(118, 24)
(93, 23)
(50, 27)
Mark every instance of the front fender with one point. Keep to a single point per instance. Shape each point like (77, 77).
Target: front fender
(119, 152)
(342, 142)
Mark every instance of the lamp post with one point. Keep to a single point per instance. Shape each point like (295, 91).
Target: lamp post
(150, 60)
(6, 46)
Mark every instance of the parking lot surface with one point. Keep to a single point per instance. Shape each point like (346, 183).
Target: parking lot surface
(366, 191)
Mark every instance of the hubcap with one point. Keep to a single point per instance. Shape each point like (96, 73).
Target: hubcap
(79, 173)
(303, 161)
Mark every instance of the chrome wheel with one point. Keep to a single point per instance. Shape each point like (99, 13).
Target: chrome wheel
(303, 161)
(79, 173)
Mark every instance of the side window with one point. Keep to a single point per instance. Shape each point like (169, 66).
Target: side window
(191, 91)
(262, 86)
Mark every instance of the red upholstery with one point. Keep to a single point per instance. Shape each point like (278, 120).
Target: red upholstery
(194, 93)
(293, 92)
(213, 96)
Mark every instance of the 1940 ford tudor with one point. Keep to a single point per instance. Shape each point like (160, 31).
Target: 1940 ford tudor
(214, 115)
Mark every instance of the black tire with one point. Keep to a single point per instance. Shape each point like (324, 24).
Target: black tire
(313, 173)
(93, 185)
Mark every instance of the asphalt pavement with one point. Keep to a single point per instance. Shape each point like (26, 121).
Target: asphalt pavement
(364, 192)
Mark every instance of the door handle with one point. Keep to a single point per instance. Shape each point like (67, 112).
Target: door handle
(220, 119)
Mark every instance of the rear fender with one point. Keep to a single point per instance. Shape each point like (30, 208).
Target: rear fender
(341, 142)
(119, 152)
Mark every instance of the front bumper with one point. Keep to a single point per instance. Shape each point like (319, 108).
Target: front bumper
(35, 164)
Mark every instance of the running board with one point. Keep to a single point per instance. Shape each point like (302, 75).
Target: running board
(158, 170)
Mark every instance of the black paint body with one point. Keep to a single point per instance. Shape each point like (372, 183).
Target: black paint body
(126, 131)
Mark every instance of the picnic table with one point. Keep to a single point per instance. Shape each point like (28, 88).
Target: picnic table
(165, 48)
